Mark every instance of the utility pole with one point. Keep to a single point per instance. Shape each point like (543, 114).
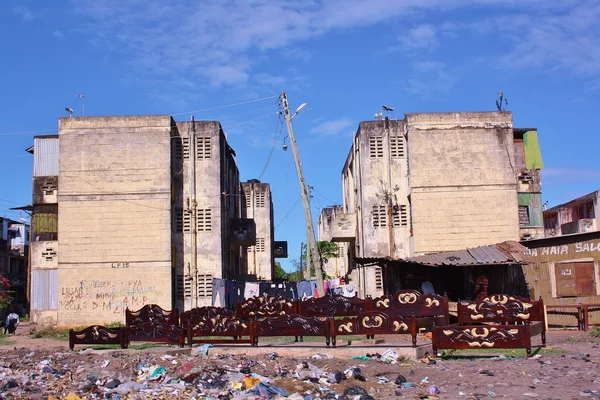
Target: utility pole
(301, 253)
(192, 211)
(313, 259)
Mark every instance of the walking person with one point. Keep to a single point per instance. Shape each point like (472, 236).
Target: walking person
(11, 323)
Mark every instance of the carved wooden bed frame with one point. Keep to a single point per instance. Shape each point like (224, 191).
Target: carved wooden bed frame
(402, 313)
(204, 322)
(97, 334)
(151, 323)
(499, 321)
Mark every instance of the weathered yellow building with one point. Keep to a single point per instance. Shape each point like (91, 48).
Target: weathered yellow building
(135, 210)
(434, 182)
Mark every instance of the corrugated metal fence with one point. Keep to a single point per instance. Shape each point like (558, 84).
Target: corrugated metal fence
(44, 289)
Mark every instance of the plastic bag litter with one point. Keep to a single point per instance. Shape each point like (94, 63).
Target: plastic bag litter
(249, 382)
(389, 356)
(267, 390)
(433, 390)
(322, 356)
(126, 387)
(157, 374)
(355, 390)
(202, 350)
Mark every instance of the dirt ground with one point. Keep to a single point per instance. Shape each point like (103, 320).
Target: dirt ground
(32, 368)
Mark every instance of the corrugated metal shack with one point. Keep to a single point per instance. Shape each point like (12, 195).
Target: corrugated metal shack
(564, 270)
(455, 272)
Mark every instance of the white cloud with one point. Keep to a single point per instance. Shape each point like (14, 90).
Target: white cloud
(58, 34)
(333, 127)
(421, 37)
(207, 39)
(430, 78)
(24, 13)
(226, 42)
(297, 53)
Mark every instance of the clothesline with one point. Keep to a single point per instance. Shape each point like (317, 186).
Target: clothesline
(226, 293)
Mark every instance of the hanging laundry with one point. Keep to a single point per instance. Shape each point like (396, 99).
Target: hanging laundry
(304, 289)
(251, 290)
(218, 292)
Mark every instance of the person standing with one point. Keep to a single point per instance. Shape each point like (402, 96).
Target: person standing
(11, 323)
(481, 287)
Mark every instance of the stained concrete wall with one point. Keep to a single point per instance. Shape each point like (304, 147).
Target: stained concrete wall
(114, 217)
(207, 167)
(462, 180)
(259, 206)
(375, 177)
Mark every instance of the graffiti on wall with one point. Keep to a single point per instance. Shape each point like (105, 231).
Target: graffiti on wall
(106, 296)
(565, 249)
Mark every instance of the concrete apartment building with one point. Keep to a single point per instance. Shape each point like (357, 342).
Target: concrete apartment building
(258, 206)
(435, 182)
(14, 249)
(579, 215)
(129, 211)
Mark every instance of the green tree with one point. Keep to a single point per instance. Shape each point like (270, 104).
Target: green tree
(327, 250)
(5, 292)
(279, 271)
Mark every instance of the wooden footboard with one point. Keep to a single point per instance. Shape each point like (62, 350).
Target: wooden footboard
(372, 323)
(205, 329)
(97, 334)
(293, 325)
(152, 323)
(460, 337)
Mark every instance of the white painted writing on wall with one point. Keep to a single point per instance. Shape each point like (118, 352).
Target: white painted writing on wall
(564, 249)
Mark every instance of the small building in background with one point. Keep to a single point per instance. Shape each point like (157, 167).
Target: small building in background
(455, 273)
(564, 270)
(14, 250)
(576, 216)
(258, 206)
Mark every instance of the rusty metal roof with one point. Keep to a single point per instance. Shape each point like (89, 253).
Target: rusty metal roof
(502, 253)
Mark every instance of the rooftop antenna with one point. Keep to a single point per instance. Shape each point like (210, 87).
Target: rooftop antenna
(69, 110)
(80, 97)
(499, 105)
(378, 116)
(388, 111)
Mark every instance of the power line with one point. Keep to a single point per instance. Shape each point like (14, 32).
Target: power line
(228, 105)
(325, 197)
(11, 201)
(183, 113)
(289, 212)
(172, 137)
(278, 126)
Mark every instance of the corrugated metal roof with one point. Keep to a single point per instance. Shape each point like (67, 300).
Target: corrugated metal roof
(502, 253)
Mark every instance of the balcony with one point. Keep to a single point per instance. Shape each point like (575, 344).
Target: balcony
(338, 227)
(580, 226)
(551, 232)
(17, 250)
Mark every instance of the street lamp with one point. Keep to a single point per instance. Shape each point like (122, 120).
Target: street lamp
(313, 257)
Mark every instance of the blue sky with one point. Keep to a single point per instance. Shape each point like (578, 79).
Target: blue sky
(345, 58)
